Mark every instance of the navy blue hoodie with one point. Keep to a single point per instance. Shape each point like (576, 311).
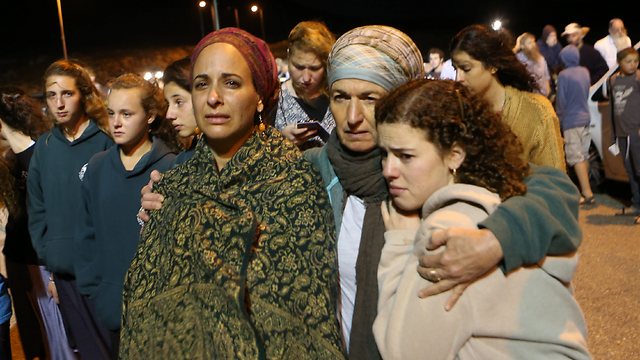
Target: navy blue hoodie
(572, 98)
(108, 232)
(53, 192)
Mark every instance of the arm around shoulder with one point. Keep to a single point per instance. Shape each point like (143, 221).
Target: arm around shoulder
(542, 222)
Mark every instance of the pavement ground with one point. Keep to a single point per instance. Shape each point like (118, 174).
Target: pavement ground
(607, 283)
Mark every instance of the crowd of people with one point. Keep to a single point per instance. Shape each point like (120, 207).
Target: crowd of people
(358, 209)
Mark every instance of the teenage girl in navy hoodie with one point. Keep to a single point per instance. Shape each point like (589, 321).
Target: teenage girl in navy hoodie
(108, 232)
(53, 191)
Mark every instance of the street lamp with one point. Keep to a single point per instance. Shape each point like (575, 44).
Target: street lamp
(64, 42)
(496, 24)
(214, 15)
(201, 4)
(235, 14)
(255, 8)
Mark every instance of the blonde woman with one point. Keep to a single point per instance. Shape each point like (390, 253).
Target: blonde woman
(527, 52)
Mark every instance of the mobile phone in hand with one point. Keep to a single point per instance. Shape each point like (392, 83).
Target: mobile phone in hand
(310, 125)
(314, 125)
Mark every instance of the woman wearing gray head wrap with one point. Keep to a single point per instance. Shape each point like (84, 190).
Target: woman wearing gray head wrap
(380, 54)
(365, 64)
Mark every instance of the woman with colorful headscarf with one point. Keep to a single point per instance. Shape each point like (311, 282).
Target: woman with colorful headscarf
(365, 64)
(240, 260)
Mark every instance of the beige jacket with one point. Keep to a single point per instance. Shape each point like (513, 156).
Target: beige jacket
(528, 314)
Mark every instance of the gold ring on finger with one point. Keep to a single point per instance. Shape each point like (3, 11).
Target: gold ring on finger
(433, 276)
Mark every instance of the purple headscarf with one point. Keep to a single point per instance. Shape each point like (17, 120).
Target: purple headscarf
(257, 55)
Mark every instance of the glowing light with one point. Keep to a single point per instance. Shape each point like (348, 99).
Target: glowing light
(254, 8)
(148, 75)
(496, 24)
(158, 74)
(202, 4)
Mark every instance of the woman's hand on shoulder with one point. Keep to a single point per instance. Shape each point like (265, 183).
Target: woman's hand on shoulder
(150, 200)
(468, 255)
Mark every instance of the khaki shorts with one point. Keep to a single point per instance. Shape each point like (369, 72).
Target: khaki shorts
(576, 144)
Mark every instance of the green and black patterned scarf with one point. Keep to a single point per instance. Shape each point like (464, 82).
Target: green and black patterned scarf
(239, 262)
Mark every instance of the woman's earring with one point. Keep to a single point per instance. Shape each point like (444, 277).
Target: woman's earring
(454, 172)
(261, 125)
(197, 131)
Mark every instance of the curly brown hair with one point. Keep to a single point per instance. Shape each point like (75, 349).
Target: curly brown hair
(153, 102)
(9, 190)
(22, 112)
(450, 115)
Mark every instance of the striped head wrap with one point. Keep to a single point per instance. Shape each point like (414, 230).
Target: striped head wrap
(257, 55)
(380, 54)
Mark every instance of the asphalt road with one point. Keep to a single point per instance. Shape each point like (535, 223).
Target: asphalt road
(607, 283)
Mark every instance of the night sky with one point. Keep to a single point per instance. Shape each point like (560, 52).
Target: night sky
(30, 28)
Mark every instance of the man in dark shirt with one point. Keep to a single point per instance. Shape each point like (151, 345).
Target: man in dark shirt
(589, 56)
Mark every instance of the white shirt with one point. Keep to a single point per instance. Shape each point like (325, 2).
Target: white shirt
(448, 71)
(348, 247)
(607, 48)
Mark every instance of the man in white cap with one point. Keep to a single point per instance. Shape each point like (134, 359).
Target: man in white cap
(589, 56)
(617, 40)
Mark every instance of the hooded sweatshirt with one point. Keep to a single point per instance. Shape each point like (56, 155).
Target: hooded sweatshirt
(528, 314)
(572, 100)
(551, 53)
(108, 232)
(53, 188)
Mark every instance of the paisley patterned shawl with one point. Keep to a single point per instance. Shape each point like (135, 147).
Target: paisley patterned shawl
(238, 263)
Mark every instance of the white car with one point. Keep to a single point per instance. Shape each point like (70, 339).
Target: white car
(602, 163)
